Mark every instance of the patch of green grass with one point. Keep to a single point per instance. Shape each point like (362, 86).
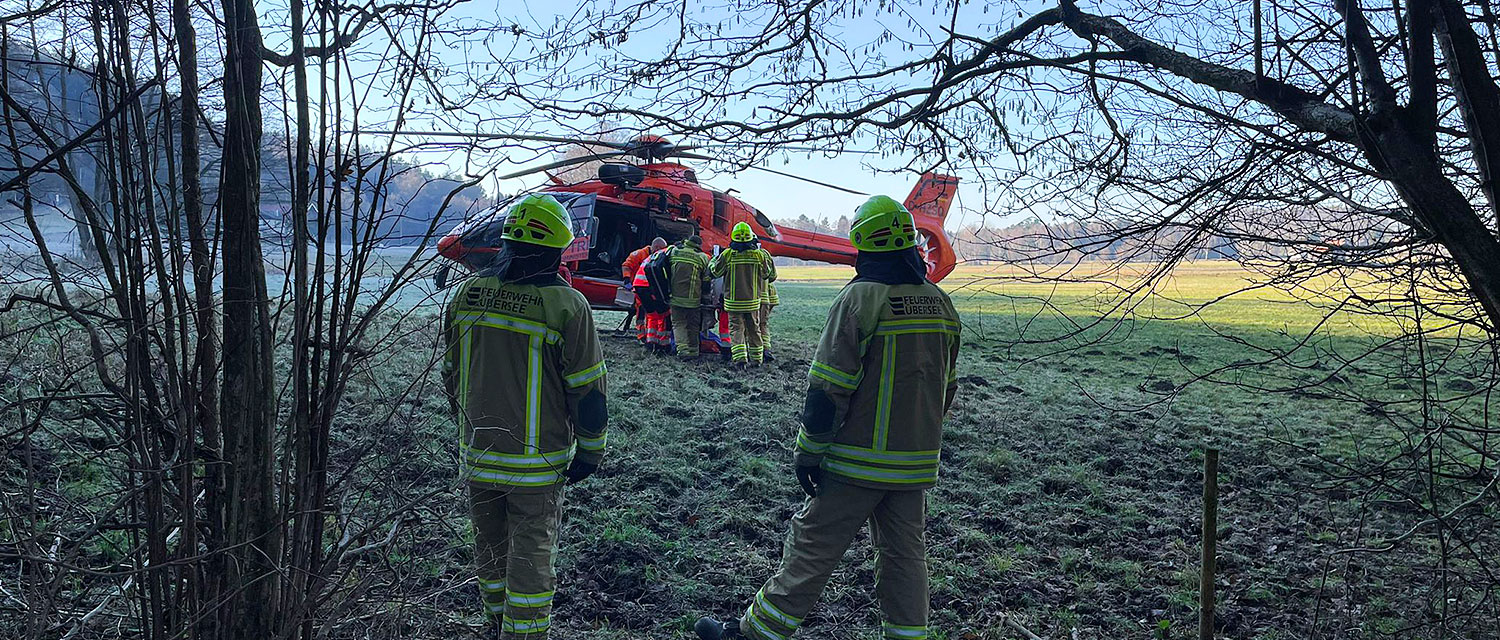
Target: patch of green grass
(1070, 484)
(1000, 563)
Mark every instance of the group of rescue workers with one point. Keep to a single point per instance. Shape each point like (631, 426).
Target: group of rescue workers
(687, 303)
(525, 372)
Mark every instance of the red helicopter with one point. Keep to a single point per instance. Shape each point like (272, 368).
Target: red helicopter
(627, 205)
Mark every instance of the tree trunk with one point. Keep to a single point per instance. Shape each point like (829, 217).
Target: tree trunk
(205, 368)
(247, 403)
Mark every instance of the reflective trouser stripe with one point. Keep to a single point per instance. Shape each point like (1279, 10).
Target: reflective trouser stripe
(529, 600)
(523, 627)
(903, 632)
(764, 606)
(492, 592)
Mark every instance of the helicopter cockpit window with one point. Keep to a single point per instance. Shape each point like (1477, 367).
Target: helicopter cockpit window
(721, 212)
(766, 223)
(690, 176)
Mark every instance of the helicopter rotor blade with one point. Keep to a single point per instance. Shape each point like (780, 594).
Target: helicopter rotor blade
(786, 148)
(816, 182)
(698, 156)
(566, 162)
(500, 136)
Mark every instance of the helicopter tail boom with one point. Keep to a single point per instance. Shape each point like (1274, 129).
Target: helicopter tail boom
(809, 245)
(928, 202)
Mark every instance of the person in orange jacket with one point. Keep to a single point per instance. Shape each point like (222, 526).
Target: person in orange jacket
(656, 332)
(628, 271)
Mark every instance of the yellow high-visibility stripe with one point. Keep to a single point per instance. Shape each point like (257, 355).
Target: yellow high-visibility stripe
(512, 478)
(522, 461)
(592, 444)
(586, 376)
(903, 632)
(524, 627)
(834, 375)
(508, 323)
(806, 443)
(776, 614)
(529, 600)
(883, 398)
(886, 457)
(891, 476)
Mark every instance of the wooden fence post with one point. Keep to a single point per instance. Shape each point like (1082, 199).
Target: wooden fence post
(1210, 544)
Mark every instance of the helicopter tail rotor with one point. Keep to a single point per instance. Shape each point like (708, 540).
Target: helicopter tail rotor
(928, 203)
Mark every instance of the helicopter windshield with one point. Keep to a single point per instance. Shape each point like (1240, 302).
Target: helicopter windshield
(766, 223)
(485, 230)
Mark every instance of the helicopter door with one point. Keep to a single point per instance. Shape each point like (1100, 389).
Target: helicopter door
(581, 210)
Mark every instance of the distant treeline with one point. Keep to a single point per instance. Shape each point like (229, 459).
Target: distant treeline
(394, 202)
(1033, 240)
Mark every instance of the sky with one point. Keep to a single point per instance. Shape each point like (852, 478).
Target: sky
(780, 197)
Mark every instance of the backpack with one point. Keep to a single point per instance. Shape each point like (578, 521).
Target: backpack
(659, 273)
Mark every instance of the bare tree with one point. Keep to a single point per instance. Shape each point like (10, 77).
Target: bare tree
(214, 505)
(1343, 151)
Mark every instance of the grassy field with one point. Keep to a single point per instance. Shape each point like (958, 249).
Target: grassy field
(1070, 485)
(1069, 495)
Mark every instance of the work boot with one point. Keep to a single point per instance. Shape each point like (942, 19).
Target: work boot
(711, 629)
(769, 357)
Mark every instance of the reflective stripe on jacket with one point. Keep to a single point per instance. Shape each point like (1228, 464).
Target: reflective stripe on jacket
(769, 295)
(688, 267)
(883, 376)
(745, 275)
(525, 371)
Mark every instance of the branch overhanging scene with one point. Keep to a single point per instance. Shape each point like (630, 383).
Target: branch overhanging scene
(959, 319)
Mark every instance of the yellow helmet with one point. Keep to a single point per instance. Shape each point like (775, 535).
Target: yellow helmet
(538, 219)
(882, 224)
(742, 233)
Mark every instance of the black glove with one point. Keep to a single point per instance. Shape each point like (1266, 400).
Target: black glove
(810, 477)
(579, 469)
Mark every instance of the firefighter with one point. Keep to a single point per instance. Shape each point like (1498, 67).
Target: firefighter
(689, 265)
(881, 380)
(746, 269)
(768, 301)
(628, 270)
(525, 376)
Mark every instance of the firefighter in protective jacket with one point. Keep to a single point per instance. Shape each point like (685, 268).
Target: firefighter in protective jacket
(768, 302)
(525, 374)
(746, 269)
(881, 380)
(689, 266)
